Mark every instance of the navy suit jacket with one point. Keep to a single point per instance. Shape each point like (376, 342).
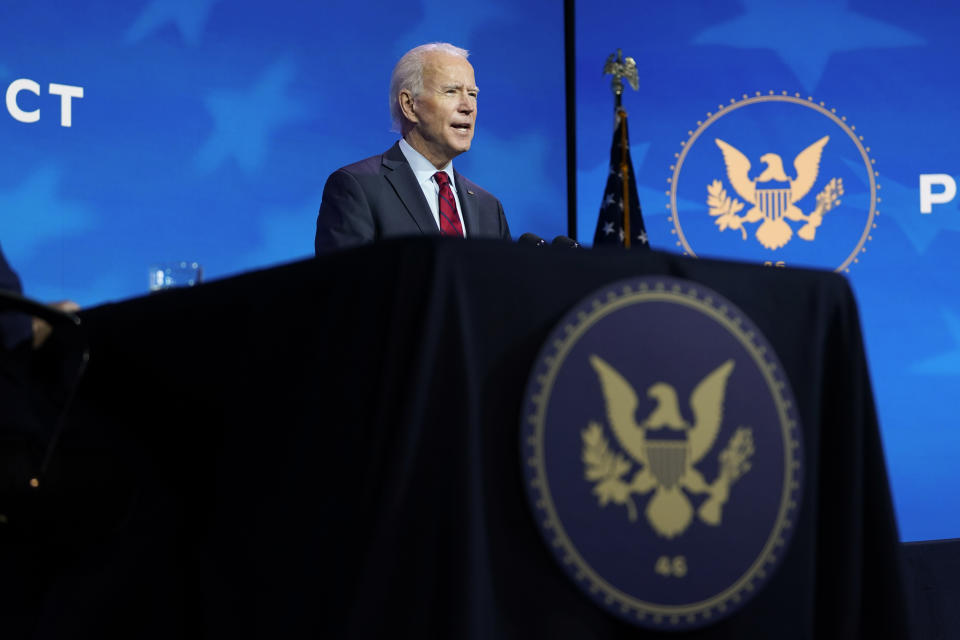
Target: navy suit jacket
(379, 198)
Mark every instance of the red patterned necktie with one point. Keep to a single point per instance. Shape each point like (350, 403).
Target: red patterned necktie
(449, 219)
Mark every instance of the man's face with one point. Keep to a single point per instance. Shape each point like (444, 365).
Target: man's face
(445, 112)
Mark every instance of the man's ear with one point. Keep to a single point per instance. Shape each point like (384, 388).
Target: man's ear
(406, 105)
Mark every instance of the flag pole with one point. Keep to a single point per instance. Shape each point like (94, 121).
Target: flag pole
(625, 174)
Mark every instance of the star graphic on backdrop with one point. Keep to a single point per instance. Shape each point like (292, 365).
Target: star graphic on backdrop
(948, 362)
(609, 200)
(901, 204)
(527, 155)
(620, 235)
(189, 16)
(280, 237)
(607, 228)
(244, 119)
(642, 237)
(649, 197)
(805, 34)
(455, 30)
(35, 212)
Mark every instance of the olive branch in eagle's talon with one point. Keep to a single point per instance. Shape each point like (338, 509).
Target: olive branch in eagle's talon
(725, 207)
(826, 200)
(606, 469)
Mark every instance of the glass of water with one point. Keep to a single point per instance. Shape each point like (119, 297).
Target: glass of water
(167, 275)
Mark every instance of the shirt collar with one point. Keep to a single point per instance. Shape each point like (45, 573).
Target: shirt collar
(423, 169)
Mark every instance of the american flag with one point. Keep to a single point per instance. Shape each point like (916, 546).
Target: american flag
(610, 222)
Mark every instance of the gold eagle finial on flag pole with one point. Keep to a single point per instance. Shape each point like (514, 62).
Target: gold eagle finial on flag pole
(621, 68)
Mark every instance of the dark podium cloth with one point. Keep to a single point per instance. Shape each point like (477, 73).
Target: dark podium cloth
(932, 579)
(330, 449)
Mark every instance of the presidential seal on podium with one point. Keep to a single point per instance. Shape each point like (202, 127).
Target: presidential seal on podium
(662, 452)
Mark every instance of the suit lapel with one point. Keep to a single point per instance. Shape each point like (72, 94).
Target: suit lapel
(399, 174)
(468, 201)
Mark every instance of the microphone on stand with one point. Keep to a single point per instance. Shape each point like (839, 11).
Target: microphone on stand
(564, 241)
(532, 240)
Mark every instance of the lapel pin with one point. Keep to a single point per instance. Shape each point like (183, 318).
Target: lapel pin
(470, 192)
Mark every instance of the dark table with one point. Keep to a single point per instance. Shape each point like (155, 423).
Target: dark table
(330, 449)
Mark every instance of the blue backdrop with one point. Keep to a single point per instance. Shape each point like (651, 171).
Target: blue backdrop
(885, 72)
(206, 130)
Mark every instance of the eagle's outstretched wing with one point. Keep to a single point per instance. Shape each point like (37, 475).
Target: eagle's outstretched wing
(706, 401)
(631, 73)
(621, 402)
(609, 66)
(738, 170)
(807, 164)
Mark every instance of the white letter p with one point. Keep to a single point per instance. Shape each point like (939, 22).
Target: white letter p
(928, 197)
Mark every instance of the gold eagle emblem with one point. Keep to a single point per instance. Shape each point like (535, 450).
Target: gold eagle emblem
(773, 194)
(666, 465)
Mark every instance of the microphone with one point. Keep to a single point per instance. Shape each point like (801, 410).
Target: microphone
(532, 239)
(564, 241)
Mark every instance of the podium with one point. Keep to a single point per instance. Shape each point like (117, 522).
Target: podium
(330, 449)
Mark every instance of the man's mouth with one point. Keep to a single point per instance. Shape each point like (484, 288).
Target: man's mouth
(463, 126)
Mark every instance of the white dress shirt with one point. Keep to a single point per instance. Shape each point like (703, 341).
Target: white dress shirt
(423, 169)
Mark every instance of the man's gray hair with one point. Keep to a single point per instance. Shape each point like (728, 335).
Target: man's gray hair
(408, 74)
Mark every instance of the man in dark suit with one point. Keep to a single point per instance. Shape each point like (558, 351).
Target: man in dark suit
(412, 189)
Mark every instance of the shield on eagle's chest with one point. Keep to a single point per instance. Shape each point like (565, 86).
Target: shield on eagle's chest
(667, 459)
(773, 201)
